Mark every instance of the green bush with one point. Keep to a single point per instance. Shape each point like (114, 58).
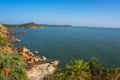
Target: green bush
(91, 69)
(12, 67)
(75, 70)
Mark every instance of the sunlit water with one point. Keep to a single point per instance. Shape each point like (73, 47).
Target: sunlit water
(69, 43)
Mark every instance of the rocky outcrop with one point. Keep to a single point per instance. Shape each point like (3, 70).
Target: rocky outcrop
(38, 68)
(39, 72)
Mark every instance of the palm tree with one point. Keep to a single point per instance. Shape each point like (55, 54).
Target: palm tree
(98, 71)
(76, 70)
(94, 67)
(80, 70)
(12, 67)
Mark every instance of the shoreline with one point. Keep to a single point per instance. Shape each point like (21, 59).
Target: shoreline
(33, 63)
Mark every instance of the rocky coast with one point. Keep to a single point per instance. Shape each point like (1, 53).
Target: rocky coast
(38, 68)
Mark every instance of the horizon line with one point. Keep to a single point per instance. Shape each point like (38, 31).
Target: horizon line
(64, 24)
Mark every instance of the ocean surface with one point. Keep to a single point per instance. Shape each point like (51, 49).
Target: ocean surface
(66, 43)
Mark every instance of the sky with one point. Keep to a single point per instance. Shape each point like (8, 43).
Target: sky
(98, 13)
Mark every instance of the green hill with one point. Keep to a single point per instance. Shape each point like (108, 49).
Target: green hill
(25, 25)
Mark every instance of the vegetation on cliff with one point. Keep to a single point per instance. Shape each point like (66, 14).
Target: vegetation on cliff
(12, 67)
(5, 45)
(86, 70)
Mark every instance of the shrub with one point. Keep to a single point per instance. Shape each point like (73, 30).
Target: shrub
(81, 70)
(12, 67)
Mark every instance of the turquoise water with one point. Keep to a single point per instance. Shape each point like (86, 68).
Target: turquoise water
(68, 43)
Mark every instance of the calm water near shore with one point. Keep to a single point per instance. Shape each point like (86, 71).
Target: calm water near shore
(74, 42)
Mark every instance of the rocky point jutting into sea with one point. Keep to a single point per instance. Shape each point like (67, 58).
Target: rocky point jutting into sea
(37, 67)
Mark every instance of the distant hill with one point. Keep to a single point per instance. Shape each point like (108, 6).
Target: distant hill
(25, 25)
(33, 25)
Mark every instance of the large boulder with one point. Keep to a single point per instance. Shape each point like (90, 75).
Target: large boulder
(25, 49)
(36, 59)
(44, 59)
(39, 72)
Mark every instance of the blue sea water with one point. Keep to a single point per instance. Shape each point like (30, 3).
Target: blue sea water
(66, 43)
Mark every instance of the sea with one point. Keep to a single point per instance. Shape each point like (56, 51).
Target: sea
(68, 43)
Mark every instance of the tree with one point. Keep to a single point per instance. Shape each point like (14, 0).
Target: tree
(98, 71)
(95, 67)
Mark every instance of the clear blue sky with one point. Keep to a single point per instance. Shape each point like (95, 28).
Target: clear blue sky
(105, 13)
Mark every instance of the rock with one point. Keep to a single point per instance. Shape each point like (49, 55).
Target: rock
(51, 69)
(44, 59)
(55, 63)
(36, 52)
(40, 71)
(25, 49)
(14, 40)
(30, 53)
(30, 65)
(17, 40)
(25, 56)
(19, 50)
(32, 60)
(40, 59)
(36, 59)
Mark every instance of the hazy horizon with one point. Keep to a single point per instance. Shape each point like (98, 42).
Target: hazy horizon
(101, 13)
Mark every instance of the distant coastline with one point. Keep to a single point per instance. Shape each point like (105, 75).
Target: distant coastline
(36, 25)
(33, 25)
